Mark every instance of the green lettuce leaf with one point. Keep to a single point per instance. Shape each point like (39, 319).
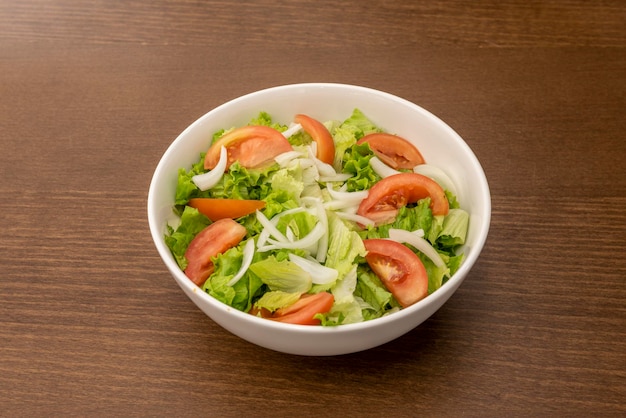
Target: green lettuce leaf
(362, 124)
(346, 308)
(349, 132)
(282, 275)
(300, 223)
(277, 299)
(265, 119)
(345, 246)
(408, 218)
(185, 187)
(357, 162)
(177, 240)
(241, 295)
(377, 299)
(453, 231)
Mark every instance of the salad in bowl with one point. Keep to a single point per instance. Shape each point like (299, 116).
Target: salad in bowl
(319, 218)
(316, 222)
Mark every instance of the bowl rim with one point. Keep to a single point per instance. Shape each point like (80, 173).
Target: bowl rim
(452, 283)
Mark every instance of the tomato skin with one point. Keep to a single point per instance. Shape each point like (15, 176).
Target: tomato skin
(319, 133)
(399, 268)
(208, 243)
(387, 196)
(393, 150)
(252, 146)
(216, 209)
(301, 312)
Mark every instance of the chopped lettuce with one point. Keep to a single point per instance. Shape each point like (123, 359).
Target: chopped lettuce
(454, 230)
(357, 162)
(276, 299)
(409, 218)
(345, 246)
(242, 293)
(186, 188)
(177, 240)
(348, 133)
(377, 299)
(282, 275)
(299, 223)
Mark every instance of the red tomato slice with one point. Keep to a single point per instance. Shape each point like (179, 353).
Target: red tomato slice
(399, 268)
(252, 146)
(319, 133)
(301, 312)
(211, 241)
(393, 150)
(216, 209)
(387, 196)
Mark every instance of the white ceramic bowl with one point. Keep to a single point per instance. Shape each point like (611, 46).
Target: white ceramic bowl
(439, 144)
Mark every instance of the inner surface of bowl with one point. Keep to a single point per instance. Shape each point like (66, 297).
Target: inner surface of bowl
(439, 145)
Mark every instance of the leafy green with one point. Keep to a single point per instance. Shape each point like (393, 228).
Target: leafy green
(345, 246)
(377, 299)
(361, 123)
(177, 240)
(454, 230)
(300, 223)
(282, 275)
(349, 132)
(186, 188)
(277, 299)
(357, 162)
(265, 119)
(409, 219)
(242, 294)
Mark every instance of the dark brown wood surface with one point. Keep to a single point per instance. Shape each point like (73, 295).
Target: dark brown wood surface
(92, 93)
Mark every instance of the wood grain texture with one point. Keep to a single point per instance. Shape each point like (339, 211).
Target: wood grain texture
(92, 93)
(380, 22)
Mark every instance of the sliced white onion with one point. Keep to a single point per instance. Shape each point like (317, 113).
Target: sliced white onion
(402, 236)
(322, 244)
(290, 235)
(343, 291)
(248, 254)
(207, 180)
(436, 174)
(306, 163)
(355, 218)
(337, 177)
(353, 197)
(310, 239)
(340, 204)
(267, 224)
(325, 170)
(277, 217)
(320, 274)
(286, 157)
(263, 236)
(293, 129)
(351, 209)
(381, 168)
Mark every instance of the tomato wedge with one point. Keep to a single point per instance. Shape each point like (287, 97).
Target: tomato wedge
(211, 241)
(216, 209)
(252, 146)
(387, 196)
(319, 133)
(393, 150)
(399, 268)
(301, 312)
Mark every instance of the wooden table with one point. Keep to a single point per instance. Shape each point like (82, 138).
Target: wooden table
(92, 93)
